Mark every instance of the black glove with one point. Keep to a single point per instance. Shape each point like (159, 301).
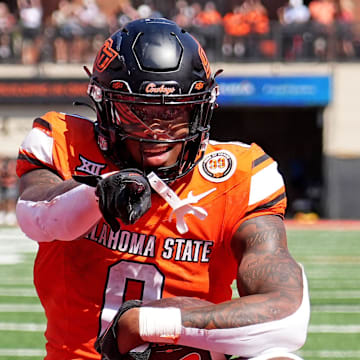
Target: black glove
(106, 344)
(125, 195)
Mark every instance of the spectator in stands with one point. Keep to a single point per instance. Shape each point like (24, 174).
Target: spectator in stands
(7, 27)
(95, 27)
(195, 9)
(295, 12)
(257, 17)
(31, 15)
(344, 19)
(148, 10)
(183, 14)
(246, 28)
(236, 29)
(9, 191)
(186, 16)
(209, 15)
(208, 29)
(125, 13)
(294, 18)
(323, 17)
(69, 32)
(322, 11)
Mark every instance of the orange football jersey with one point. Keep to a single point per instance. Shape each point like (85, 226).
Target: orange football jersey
(82, 283)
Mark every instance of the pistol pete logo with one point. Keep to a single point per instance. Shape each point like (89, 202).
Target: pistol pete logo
(105, 56)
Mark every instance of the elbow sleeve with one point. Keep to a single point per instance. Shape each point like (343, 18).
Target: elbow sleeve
(287, 334)
(66, 217)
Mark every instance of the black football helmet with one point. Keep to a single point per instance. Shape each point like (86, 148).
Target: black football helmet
(152, 64)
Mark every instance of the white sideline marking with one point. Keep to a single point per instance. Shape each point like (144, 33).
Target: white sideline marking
(31, 327)
(333, 294)
(330, 354)
(336, 308)
(30, 308)
(9, 259)
(22, 352)
(13, 244)
(336, 329)
(19, 292)
(331, 284)
(17, 281)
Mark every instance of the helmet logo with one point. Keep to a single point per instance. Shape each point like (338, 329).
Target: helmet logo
(152, 88)
(120, 85)
(199, 85)
(204, 59)
(105, 56)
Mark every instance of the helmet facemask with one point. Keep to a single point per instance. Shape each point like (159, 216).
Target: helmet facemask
(152, 87)
(152, 121)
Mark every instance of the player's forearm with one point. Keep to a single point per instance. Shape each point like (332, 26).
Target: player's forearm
(51, 209)
(243, 327)
(42, 184)
(248, 310)
(271, 288)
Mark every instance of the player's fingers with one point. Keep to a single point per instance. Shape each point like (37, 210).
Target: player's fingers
(91, 180)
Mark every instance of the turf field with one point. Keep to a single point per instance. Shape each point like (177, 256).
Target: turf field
(332, 262)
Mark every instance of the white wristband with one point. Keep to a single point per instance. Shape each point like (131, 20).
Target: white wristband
(160, 325)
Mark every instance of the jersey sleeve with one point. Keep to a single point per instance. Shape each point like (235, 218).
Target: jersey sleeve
(36, 150)
(266, 188)
(45, 146)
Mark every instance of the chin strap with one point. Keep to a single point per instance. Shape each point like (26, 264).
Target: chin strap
(180, 207)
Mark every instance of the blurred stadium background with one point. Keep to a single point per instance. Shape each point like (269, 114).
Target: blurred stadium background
(290, 83)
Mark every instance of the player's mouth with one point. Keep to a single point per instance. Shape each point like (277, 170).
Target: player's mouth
(156, 150)
(157, 155)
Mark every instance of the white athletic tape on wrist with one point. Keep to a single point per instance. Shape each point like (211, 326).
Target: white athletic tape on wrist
(180, 207)
(159, 324)
(66, 217)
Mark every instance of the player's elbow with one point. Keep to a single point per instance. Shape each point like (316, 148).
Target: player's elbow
(296, 325)
(28, 217)
(66, 217)
(287, 334)
(295, 334)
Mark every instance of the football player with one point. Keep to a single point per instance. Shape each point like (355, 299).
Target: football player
(140, 205)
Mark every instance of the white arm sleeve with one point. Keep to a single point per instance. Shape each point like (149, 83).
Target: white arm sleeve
(66, 217)
(284, 335)
(287, 334)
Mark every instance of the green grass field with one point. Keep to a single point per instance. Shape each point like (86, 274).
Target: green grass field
(332, 263)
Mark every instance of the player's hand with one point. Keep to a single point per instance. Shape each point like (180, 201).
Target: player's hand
(125, 195)
(107, 343)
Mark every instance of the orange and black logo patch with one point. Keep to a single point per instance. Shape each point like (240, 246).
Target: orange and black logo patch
(199, 85)
(105, 56)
